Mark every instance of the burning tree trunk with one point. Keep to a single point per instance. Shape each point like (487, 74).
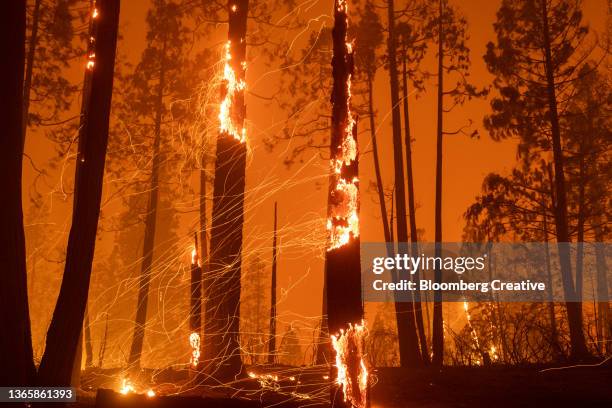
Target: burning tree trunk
(16, 363)
(150, 226)
(221, 347)
(404, 311)
(88, 346)
(66, 325)
(272, 342)
(343, 274)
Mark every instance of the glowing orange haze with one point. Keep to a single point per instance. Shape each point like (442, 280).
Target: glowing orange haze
(303, 199)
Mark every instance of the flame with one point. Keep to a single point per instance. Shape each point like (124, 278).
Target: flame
(194, 341)
(126, 387)
(232, 86)
(150, 393)
(194, 256)
(343, 222)
(349, 349)
(95, 13)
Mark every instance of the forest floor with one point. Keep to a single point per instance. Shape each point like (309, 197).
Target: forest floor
(394, 388)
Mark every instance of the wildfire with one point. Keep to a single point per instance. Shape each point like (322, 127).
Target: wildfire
(194, 341)
(232, 87)
(194, 256)
(126, 387)
(350, 362)
(344, 219)
(91, 55)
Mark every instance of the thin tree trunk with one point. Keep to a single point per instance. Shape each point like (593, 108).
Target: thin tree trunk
(222, 346)
(414, 247)
(272, 341)
(27, 84)
(66, 325)
(150, 226)
(16, 358)
(88, 348)
(438, 329)
(406, 328)
(603, 298)
(205, 259)
(574, 309)
(554, 336)
(379, 184)
(580, 226)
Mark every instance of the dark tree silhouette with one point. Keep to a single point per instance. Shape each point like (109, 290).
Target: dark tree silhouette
(221, 345)
(450, 31)
(406, 328)
(66, 326)
(539, 50)
(272, 341)
(16, 363)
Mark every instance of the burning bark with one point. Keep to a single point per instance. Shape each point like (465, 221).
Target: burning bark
(343, 268)
(221, 347)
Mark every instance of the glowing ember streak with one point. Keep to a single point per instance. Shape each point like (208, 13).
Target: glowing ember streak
(194, 341)
(232, 86)
(350, 363)
(126, 387)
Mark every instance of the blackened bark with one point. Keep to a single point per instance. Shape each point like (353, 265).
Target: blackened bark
(66, 325)
(16, 363)
(195, 317)
(574, 309)
(221, 346)
(342, 261)
(406, 328)
(272, 341)
(150, 227)
(438, 329)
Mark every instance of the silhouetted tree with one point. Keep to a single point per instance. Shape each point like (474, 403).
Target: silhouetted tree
(16, 363)
(453, 60)
(406, 328)
(539, 50)
(66, 326)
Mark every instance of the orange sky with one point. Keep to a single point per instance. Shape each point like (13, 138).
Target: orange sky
(301, 190)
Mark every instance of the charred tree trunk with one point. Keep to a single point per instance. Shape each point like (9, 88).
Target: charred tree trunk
(272, 341)
(66, 325)
(414, 247)
(16, 360)
(438, 329)
(222, 347)
(150, 226)
(404, 311)
(27, 84)
(574, 309)
(342, 261)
